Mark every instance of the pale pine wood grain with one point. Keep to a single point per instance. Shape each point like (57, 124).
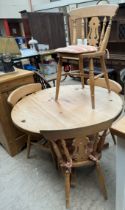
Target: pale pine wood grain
(16, 75)
(19, 94)
(23, 91)
(40, 111)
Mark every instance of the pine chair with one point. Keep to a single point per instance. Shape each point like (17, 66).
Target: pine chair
(19, 94)
(73, 150)
(94, 24)
(114, 86)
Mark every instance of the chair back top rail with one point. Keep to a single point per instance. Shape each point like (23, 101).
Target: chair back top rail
(94, 11)
(93, 23)
(54, 135)
(23, 91)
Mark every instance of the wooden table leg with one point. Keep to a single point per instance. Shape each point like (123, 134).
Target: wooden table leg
(73, 178)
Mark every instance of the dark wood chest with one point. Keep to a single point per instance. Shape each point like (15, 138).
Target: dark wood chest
(116, 44)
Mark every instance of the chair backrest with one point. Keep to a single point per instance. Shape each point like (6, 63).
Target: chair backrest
(72, 145)
(114, 86)
(23, 91)
(93, 23)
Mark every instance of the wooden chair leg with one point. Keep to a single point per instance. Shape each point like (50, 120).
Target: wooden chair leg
(28, 145)
(67, 189)
(104, 70)
(101, 144)
(54, 157)
(73, 178)
(81, 70)
(59, 71)
(113, 137)
(91, 77)
(101, 180)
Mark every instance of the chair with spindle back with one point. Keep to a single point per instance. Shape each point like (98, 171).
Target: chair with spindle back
(94, 24)
(74, 150)
(19, 94)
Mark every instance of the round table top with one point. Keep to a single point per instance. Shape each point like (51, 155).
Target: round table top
(40, 111)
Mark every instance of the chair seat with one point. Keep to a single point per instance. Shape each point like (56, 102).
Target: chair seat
(76, 49)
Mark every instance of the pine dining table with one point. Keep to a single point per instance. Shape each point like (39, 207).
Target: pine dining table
(40, 112)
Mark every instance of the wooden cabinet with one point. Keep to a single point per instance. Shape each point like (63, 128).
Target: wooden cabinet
(11, 138)
(45, 27)
(116, 44)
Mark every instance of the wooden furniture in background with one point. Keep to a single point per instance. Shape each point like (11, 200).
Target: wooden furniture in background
(116, 44)
(19, 94)
(118, 129)
(87, 22)
(72, 150)
(48, 30)
(11, 138)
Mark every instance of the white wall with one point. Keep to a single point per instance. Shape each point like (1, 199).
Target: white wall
(39, 3)
(62, 3)
(11, 8)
